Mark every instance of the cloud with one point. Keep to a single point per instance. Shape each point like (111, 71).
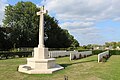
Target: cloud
(82, 17)
(81, 9)
(84, 32)
(116, 19)
(84, 9)
(76, 25)
(2, 8)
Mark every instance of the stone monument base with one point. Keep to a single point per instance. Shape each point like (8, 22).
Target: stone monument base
(48, 71)
(39, 66)
(44, 66)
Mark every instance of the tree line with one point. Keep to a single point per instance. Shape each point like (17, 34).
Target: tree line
(107, 44)
(20, 29)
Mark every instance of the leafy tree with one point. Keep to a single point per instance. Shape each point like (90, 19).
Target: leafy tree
(5, 43)
(118, 44)
(2, 39)
(107, 44)
(113, 44)
(23, 21)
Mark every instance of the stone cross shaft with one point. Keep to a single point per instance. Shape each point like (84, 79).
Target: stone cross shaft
(41, 27)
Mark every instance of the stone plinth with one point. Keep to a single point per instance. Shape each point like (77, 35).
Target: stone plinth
(40, 63)
(41, 53)
(28, 70)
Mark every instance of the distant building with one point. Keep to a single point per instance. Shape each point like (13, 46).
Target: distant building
(117, 48)
(109, 48)
(98, 48)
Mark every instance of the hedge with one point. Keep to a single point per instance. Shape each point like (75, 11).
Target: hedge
(7, 54)
(83, 50)
(96, 52)
(114, 52)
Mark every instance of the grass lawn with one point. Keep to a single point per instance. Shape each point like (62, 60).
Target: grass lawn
(83, 69)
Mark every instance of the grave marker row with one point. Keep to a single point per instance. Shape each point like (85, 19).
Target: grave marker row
(55, 54)
(79, 55)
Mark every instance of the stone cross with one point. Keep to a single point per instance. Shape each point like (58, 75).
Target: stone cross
(41, 27)
(40, 63)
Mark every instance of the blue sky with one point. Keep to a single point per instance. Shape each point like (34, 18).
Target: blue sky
(12, 2)
(89, 21)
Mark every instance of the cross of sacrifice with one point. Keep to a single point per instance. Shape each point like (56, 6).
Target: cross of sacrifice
(41, 26)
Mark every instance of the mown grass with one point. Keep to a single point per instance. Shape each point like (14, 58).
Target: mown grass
(83, 69)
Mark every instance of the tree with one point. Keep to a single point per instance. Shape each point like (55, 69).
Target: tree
(2, 38)
(5, 43)
(118, 44)
(107, 44)
(23, 21)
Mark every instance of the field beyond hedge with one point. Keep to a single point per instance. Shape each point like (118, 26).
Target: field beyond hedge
(83, 69)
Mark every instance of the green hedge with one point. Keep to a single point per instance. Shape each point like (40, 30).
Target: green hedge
(7, 54)
(54, 49)
(96, 52)
(83, 50)
(114, 52)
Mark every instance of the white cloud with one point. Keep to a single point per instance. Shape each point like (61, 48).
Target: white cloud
(84, 9)
(117, 19)
(80, 9)
(81, 16)
(2, 8)
(76, 25)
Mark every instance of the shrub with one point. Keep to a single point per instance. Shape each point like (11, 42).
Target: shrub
(7, 54)
(96, 52)
(83, 50)
(114, 52)
(53, 49)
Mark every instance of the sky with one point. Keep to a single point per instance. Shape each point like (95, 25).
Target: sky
(89, 21)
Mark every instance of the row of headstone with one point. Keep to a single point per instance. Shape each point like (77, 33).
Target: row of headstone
(103, 55)
(55, 54)
(79, 55)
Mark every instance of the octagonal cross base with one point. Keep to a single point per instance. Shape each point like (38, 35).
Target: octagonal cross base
(46, 66)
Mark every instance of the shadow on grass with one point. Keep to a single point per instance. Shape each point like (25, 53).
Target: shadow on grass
(66, 65)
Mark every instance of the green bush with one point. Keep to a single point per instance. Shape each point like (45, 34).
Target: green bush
(96, 52)
(7, 54)
(114, 52)
(53, 49)
(83, 50)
